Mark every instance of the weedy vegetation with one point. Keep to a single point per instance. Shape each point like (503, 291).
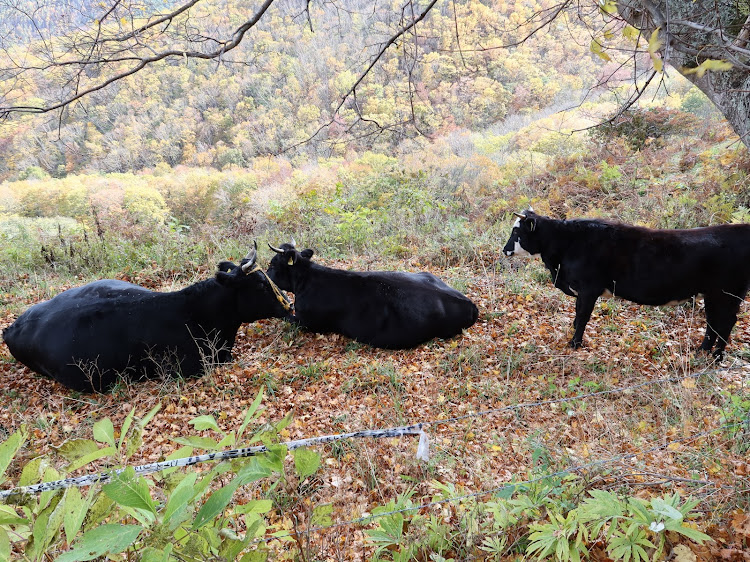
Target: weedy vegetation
(632, 448)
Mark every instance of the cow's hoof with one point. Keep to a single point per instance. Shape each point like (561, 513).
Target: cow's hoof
(575, 344)
(718, 354)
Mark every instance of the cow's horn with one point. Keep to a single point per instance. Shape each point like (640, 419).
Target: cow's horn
(294, 244)
(250, 257)
(520, 216)
(277, 250)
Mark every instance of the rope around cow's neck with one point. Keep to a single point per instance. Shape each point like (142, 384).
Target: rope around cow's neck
(279, 295)
(422, 454)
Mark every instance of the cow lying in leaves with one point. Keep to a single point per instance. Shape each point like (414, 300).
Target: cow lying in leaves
(88, 337)
(592, 258)
(388, 309)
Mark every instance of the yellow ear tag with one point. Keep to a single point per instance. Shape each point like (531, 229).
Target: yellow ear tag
(291, 261)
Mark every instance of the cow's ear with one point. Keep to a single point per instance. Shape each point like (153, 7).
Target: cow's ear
(307, 253)
(223, 278)
(227, 266)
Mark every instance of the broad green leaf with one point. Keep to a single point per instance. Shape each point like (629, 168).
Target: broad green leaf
(215, 504)
(130, 490)
(143, 516)
(100, 509)
(506, 492)
(32, 472)
(601, 505)
(393, 524)
(50, 475)
(274, 458)
(689, 532)
(254, 506)
(134, 441)
(125, 427)
(4, 545)
(284, 422)
(306, 462)
(180, 496)
(75, 512)
(73, 449)
(180, 453)
(91, 457)
(259, 555)
(8, 516)
(45, 527)
(202, 485)
(9, 448)
(230, 548)
(151, 554)
(254, 470)
(147, 418)
(109, 538)
(255, 526)
(104, 432)
(196, 442)
(250, 414)
(663, 508)
(322, 515)
(205, 422)
(227, 442)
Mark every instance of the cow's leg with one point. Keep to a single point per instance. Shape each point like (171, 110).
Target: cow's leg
(584, 307)
(710, 338)
(721, 316)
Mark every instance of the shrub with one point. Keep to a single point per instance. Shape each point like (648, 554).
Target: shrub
(145, 205)
(640, 127)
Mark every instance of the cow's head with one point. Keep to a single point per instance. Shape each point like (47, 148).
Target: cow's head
(523, 239)
(259, 297)
(286, 264)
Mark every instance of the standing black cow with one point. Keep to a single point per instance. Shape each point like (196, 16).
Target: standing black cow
(388, 309)
(89, 336)
(592, 258)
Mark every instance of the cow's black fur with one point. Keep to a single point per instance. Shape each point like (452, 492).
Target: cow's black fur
(589, 258)
(88, 337)
(388, 309)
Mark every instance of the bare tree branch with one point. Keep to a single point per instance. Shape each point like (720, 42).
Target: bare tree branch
(352, 90)
(141, 63)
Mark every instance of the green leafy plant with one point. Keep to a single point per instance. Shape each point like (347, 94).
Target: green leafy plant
(178, 514)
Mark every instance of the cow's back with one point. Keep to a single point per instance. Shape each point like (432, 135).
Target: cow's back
(393, 310)
(648, 266)
(83, 333)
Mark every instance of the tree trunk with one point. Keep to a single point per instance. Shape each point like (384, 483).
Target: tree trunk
(693, 31)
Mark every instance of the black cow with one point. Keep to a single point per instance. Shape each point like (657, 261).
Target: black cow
(388, 309)
(592, 258)
(88, 337)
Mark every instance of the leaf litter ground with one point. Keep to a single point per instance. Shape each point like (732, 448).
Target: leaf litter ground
(515, 354)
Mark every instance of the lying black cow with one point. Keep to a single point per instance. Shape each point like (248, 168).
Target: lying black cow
(88, 337)
(388, 309)
(592, 258)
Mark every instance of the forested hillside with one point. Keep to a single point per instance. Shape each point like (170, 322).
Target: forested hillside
(286, 80)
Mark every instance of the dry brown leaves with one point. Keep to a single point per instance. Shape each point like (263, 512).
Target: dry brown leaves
(516, 353)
